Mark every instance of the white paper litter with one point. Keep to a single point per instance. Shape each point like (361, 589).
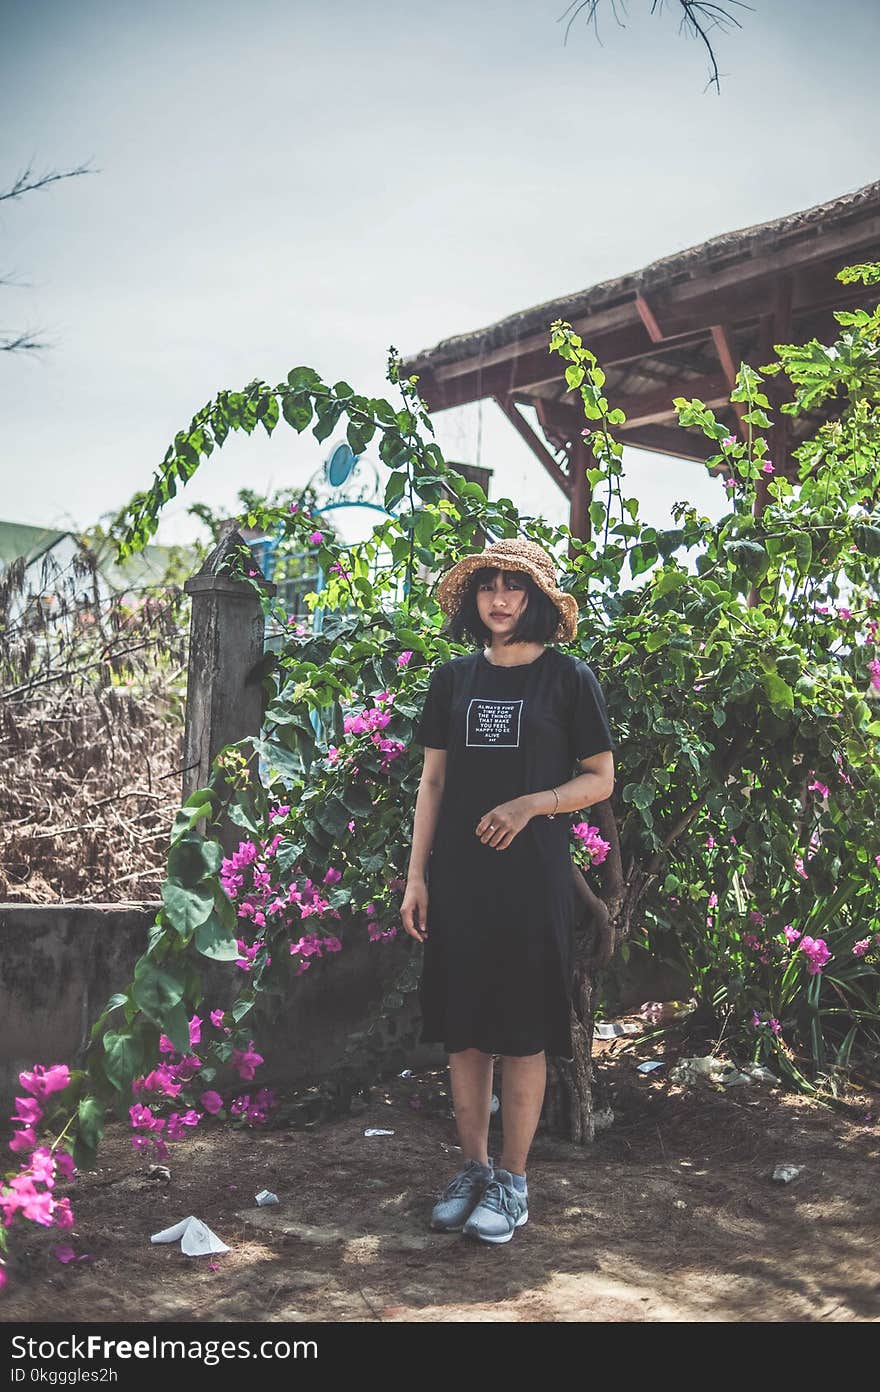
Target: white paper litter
(649, 1066)
(195, 1237)
(377, 1131)
(265, 1198)
(613, 1029)
(784, 1174)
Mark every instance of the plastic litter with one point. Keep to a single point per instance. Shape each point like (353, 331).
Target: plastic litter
(784, 1174)
(759, 1074)
(689, 1071)
(613, 1029)
(650, 1066)
(196, 1238)
(407, 1073)
(265, 1198)
(494, 1104)
(377, 1131)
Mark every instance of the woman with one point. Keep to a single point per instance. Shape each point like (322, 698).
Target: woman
(490, 889)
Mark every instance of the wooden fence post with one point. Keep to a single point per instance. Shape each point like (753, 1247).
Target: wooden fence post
(224, 698)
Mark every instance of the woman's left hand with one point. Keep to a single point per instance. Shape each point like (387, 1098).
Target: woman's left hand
(498, 827)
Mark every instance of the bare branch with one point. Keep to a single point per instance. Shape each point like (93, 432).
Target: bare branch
(27, 183)
(698, 19)
(22, 343)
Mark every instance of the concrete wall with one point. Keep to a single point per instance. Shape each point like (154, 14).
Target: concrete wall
(60, 963)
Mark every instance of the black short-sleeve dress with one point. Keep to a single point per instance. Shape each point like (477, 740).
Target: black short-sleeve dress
(497, 965)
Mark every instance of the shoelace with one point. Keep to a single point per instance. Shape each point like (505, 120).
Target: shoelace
(503, 1198)
(462, 1183)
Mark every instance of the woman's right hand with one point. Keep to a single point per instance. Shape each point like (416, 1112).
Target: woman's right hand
(414, 909)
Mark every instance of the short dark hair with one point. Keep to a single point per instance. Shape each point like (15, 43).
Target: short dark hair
(537, 624)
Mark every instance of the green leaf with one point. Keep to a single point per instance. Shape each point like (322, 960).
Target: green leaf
(213, 939)
(123, 1059)
(90, 1122)
(779, 691)
(193, 858)
(156, 990)
(187, 908)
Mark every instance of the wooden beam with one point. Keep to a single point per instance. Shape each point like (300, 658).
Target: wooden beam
(672, 440)
(721, 339)
(646, 314)
(536, 445)
(526, 363)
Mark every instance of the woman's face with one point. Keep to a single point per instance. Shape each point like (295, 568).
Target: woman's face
(500, 601)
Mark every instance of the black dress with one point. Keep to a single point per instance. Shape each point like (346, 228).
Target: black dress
(497, 966)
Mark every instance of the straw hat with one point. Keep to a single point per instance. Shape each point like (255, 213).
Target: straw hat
(512, 553)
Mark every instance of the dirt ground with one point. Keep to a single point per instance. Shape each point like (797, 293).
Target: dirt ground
(672, 1216)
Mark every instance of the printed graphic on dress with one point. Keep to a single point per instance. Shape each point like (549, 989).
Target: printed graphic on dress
(493, 724)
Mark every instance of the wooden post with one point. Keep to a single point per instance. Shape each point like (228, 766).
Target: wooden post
(224, 699)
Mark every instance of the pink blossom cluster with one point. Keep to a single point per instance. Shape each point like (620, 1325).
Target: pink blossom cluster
(816, 952)
(30, 1193)
(591, 842)
(247, 879)
(772, 1022)
(310, 945)
(374, 931)
(255, 1112)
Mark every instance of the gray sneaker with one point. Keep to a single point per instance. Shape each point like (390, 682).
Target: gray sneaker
(501, 1210)
(460, 1197)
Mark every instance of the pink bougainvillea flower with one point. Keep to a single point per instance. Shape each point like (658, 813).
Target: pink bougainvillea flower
(592, 842)
(730, 485)
(294, 507)
(843, 612)
(28, 1110)
(874, 669)
(376, 934)
(713, 900)
(316, 538)
(165, 1045)
(755, 916)
(246, 1061)
(791, 933)
(42, 1166)
(799, 867)
(729, 441)
(195, 1030)
(217, 1017)
(23, 1141)
(66, 1167)
(818, 787)
(37, 1206)
(775, 1025)
(861, 947)
(751, 942)
(404, 658)
(767, 466)
(710, 842)
(64, 1253)
(63, 1214)
(42, 1082)
(333, 876)
(756, 1019)
(212, 1102)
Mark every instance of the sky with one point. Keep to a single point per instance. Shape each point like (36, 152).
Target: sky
(282, 183)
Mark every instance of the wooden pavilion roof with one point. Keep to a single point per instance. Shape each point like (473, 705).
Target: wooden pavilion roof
(678, 327)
